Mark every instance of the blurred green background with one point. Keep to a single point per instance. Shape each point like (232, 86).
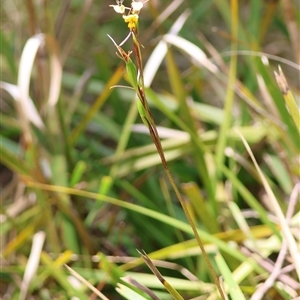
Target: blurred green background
(85, 180)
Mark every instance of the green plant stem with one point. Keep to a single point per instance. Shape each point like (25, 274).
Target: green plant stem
(221, 144)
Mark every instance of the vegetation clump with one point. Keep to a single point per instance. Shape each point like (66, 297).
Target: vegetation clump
(200, 200)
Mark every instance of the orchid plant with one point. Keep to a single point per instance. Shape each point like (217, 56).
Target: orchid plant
(136, 79)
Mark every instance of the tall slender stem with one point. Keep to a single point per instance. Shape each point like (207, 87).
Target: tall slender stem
(156, 140)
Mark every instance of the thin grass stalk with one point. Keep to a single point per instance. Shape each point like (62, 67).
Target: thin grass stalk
(230, 91)
(122, 143)
(96, 106)
(292, 245)
(186, 116)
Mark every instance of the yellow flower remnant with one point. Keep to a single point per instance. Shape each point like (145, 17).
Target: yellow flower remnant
(132, 20)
